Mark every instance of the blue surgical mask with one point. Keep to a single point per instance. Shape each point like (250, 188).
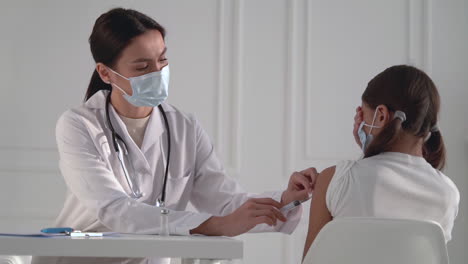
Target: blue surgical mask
(363, 137)
(150, 89)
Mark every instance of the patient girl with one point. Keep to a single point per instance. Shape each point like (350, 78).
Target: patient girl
(400, 175)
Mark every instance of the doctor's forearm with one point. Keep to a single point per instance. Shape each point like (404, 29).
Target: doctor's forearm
(254, 212)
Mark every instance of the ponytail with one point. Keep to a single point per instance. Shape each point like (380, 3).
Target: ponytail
(434, 150)
(96, 84)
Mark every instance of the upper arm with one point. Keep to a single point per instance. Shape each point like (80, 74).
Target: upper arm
(84, 170)
(319, 214)
(213, 191)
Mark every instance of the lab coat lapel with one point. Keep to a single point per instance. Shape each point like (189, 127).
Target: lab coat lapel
(160, 129)
(137, 158)
(154, 130)
(150, 146)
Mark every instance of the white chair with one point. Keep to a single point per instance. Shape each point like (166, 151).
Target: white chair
(378, 241)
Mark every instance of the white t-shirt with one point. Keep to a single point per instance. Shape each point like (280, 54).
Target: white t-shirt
(136, 128)
(393, 185)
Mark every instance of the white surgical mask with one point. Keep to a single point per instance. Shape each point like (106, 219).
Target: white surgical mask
(363, 137)
(150, 89)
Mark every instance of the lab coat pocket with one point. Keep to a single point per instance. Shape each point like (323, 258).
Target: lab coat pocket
(105, 149)
(178, 190)
(103, 146)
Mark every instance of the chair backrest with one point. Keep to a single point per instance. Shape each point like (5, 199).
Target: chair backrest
(377, 240)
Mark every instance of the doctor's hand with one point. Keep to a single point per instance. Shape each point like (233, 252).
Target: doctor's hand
(252, 213)
(358, 118)
(300, 187)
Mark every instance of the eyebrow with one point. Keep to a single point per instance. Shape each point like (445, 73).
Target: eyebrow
(149, 59)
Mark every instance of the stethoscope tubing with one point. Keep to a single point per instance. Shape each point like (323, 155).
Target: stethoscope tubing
(120, 154)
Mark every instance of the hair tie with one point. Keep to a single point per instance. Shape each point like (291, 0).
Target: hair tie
(400, 115)
(435, 128)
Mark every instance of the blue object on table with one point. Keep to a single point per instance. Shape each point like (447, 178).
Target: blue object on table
(57, 230)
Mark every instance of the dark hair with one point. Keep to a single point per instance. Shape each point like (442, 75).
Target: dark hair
(408, 89)
(112, 33)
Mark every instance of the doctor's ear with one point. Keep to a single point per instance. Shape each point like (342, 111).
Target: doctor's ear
(383, 115)
(103, 72)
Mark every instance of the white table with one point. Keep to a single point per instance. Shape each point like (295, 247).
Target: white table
(204, 249)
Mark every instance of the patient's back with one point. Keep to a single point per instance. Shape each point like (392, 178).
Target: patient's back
(393, 185)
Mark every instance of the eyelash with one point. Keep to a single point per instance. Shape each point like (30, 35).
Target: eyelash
(146, 67)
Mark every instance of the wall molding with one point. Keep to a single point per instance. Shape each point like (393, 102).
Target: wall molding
(238, 85)
(294, 37)
(420, 34)
(307, 80)
(428, 35)
(229, 84)
(289, 109)
(220, 75)
(290, 89)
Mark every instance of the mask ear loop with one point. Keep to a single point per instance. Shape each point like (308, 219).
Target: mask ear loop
(118, 74)
(116, 86)
(113, 84)
(373, 122)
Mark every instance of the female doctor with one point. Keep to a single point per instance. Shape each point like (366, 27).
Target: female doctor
(125, 153)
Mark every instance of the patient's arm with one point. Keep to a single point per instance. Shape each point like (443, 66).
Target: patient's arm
(319, 214)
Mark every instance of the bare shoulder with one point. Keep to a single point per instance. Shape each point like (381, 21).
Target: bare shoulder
(325, 177)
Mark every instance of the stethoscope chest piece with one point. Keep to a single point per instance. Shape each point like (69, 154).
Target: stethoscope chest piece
(160, 203)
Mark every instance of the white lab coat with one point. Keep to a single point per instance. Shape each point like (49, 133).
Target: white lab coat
(98, 197)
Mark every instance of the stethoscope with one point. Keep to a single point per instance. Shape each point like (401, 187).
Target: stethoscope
(116, 138)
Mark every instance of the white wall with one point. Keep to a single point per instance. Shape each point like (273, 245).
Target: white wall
(274, 82)
(450, 72)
